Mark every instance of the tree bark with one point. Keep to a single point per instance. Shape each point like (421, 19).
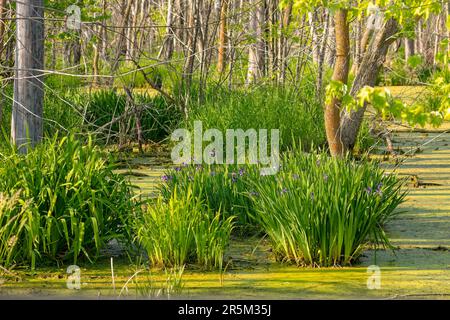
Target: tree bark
(168, 45)
(257, 47)
(315, 45)
(27, 124)
(283, 48)
(322, 50)
(409, 48)
(2, 25)
(340, 73)
(366, 76)
(221, 59)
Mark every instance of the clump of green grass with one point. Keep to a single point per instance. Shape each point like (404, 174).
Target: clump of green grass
(323, 211)
(76, 202)
(182, 230)
(316, 211)
(15, 215)
(222, 188)
(298, 115)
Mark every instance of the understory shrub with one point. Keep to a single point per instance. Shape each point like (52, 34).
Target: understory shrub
(75, 203)
(183, 230)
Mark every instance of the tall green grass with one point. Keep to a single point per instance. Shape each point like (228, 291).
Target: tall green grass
(158, 117)
(322, 211)
(317, 210)
(16, 239)
(222, 188)
(182, 230)
(76, 203)
(298, 115)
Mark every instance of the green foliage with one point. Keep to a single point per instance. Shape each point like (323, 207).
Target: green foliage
(322, 211)
(61, 112)
(406, 12)
(62, 82)
(75, 203)
(158, 118)
(182, 230)
(15, 216)
(389, 107)
(298, 115)
(365, 140)
(221, 187)
(316, 211)
(102, 107)
(414, 71)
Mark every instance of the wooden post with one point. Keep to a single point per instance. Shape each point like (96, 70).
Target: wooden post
(27, 124)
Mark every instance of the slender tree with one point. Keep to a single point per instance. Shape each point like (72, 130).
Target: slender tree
(340, 74)
(221, 59)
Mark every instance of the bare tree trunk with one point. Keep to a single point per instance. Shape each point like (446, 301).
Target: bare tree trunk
(331, 46)
(104, 33)
(367, 74)
(409, 48)
(2, 25)
(322, 51)
(27, 124)
(95, 62)
(257, 47)
(367, 35)
(341, 70)
(168, 45)
(285, 21)
(2, 35)
(191, 45)
(315, 45)
(121, 46)
(221, 59)
(448, 29)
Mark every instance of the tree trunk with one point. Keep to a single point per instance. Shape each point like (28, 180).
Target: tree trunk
(2, 34)
(341, 70)
(367, 35)
(27, 124)
(285, 21)
(366, 76)
(315, 45)
(322, 51)
(257, 47)
(409, 48)
(2, 25)
(221, 59)
(191, 45)
(168, 45)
